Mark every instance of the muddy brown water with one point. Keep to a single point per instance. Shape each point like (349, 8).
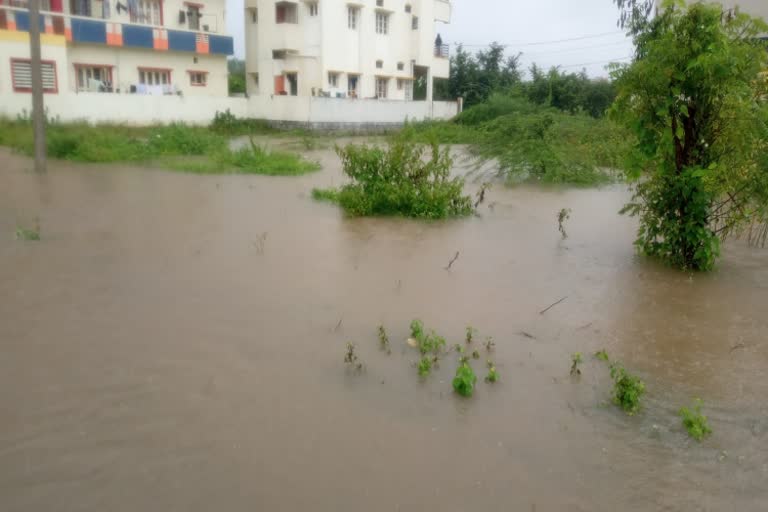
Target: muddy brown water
(158, 352)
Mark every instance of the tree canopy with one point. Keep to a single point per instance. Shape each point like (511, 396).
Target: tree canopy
(696, 98)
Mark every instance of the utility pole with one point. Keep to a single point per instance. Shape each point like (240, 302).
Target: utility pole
(38, 109)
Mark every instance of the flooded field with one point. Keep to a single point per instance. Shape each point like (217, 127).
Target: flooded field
(176, 342)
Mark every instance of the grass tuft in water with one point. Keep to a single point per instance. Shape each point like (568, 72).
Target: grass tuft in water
(694, 422)
(627, 389)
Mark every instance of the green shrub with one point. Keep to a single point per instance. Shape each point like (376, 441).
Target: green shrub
(226, 123)
(694, 422)
(627, 389)
(425, 366)
(397, 181)
(465, 379)
(325, 194)
(493, 375)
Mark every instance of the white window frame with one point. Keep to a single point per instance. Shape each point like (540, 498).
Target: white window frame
(85, 72)
(198, 78)
(313, 8)
(382, 23)
(154, 76)
(415, 23)
(147, 12)
(382, 87)
(353, 17)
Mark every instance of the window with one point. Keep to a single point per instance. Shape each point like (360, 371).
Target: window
(352, 16)
(152, 76)
(400, 83)
(313, 9)
(408, 8)
(382, 84)
(193, 16)
(352, 81)
(415, 23)
(409, 90)
(147, 12)
(91, 77)
(286, 12)
(379, 64)
(21, 72)
(333, 80)
(198, 78)
(400, 66)
(254, 16)
(382, 23)
(379, 3)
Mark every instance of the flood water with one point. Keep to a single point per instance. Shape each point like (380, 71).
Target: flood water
(175, 343)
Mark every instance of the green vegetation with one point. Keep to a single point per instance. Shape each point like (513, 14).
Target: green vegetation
(475, 354)
(236, 76)
(532, 142)
(465, 379)
(458, 348)
(175, 146)
(28, 234)
(398, 181)
(226, 123)
(384, 340)
(489, 344)
(602, 355)
(425, 366)
(426, 343)
(695, 100)
(576, 361)
(257, 160)
(694, 422)
(471, 332)
(627, 389)
(493, 375)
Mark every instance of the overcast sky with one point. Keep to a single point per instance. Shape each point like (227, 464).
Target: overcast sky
(530, 27)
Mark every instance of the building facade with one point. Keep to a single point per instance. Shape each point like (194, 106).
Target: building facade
(140, 47)
(352, 49)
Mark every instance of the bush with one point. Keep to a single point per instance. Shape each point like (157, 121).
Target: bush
(627, 389)
(464, 382)
(694, 422)
(226, 123)
(398, 181)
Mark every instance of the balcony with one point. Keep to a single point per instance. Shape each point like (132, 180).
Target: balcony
(442, 51)
(83, 29)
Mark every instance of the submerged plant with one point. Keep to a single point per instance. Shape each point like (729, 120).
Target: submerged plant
(489, 344)
(417, 329)
(493, 375)
(384, 340)
(28, 234)
(475, 354)
(425, 366)
(351, 359)
(465, 379)
(471, 331)
(694, 422)
(602, 355)
(562, 216)
(575, 363)
(458, 348)
(627, 389)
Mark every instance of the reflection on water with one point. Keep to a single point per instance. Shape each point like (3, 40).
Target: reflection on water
(158, 354)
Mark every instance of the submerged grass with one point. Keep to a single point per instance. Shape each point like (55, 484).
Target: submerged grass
(533, 143)
(175, 146)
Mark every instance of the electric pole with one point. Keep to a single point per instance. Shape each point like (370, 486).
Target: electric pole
(38, 112)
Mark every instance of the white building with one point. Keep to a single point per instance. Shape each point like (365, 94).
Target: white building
(344, 48)
(138, 47)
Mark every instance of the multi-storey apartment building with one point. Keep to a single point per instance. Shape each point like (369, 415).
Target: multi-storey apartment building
(344, 48)
(157, 47)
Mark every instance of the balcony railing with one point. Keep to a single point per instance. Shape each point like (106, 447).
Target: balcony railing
(92, 30)
(442, 51)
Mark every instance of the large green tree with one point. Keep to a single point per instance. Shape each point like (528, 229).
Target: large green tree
(695, 97)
